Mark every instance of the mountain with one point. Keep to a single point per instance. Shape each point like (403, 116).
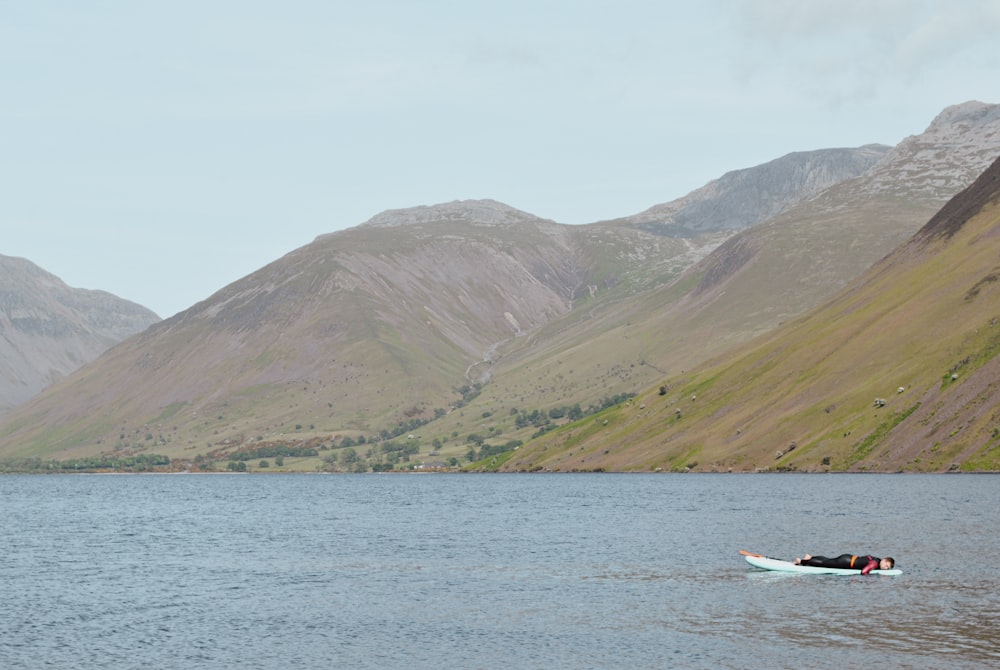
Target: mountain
(759, 277)
(769, 273)
(957, 146)
(897, 372)
(454, 320)
(48, 330)
(355, 333)
(370, 328)
(743, 198)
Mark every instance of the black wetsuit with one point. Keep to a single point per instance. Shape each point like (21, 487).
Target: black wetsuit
(845, 561)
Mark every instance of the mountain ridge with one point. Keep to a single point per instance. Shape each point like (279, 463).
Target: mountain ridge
(742, 198)
(422, 316)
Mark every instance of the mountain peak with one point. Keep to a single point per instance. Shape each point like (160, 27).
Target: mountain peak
(48, 329)
(482, 212)
(972, 112)
(961, 142)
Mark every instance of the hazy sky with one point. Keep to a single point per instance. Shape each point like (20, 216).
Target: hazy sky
(161, 150)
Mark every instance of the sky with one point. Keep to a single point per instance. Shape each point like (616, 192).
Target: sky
(162, 150)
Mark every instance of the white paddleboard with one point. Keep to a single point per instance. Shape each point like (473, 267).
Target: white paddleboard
(776, 565)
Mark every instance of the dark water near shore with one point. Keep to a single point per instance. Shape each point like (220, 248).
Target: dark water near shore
(493, 571)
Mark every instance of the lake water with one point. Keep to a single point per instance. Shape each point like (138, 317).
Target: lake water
(494, 571)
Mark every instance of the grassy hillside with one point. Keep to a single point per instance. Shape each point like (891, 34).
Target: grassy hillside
(895, 373)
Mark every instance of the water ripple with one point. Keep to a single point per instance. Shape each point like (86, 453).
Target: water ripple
(588, 571)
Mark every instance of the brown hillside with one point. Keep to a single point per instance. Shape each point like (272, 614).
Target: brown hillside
(950, 219)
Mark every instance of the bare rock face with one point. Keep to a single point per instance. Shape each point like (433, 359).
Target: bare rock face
(960, 143)
(48, 329)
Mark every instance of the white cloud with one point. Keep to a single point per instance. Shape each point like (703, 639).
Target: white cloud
(950, 29)
(798, 19)
(855, 50)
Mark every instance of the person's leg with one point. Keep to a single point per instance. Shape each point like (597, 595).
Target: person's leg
(842, 561)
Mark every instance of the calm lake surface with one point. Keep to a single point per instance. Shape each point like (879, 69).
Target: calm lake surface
(494, 571)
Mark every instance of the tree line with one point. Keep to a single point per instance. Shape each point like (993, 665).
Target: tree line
(135, 463)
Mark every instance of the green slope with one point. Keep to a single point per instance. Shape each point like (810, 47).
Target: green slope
(897, 372)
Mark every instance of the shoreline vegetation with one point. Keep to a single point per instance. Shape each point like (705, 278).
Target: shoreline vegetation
(399, 451)
(391, 450)
(156, 464)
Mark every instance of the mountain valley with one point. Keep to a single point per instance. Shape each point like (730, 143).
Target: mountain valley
(448, 335)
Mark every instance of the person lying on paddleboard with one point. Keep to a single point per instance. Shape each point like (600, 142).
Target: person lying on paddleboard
(848, 562)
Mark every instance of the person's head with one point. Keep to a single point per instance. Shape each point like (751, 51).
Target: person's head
(886, 563)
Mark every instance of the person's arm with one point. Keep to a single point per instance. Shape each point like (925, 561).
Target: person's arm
(872, 564)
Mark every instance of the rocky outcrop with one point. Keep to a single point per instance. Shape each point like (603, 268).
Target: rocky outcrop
(956, 148)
